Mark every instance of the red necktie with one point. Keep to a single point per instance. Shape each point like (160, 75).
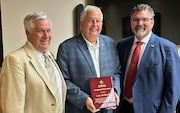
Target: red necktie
(132, 70)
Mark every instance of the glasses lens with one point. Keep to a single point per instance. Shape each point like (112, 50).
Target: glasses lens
(136, 20)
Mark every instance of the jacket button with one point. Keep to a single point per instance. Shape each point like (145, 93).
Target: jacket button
(52, 104)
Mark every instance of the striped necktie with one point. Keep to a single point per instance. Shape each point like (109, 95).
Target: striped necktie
(52, 79)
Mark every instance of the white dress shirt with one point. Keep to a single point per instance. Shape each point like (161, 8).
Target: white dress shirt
(94, 51)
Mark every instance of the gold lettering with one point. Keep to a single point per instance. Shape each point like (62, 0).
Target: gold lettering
(101, 85)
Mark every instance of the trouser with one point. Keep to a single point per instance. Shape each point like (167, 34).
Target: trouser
(126, 107)
(178, 107)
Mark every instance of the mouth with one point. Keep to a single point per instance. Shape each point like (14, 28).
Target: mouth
(44, 42)
(140, 28)
(93, 30)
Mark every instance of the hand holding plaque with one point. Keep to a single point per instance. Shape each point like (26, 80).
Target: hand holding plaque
(102, 92)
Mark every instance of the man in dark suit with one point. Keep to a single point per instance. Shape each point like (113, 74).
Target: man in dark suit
(156, 85)
(84, 56)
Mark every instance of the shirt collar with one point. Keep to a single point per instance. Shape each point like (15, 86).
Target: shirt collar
(144, 40)
(89, 43)
(39, 54)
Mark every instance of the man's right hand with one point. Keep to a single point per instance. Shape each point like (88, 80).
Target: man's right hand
(90, 106)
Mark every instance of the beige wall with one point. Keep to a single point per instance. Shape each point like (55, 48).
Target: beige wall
(61, 12)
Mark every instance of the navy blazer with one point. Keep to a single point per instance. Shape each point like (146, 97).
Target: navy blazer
(77, 67)
(156, 88)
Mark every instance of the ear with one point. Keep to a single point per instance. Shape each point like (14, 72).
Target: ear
(152, 22)
(81, 23)
(27, 32)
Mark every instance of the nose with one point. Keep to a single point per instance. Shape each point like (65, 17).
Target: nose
(140, 21)
(94, 22)
(45, 34)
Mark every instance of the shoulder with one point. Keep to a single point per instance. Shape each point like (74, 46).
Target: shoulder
(72, 40)
(125, 41)
(69, 40)
(18, 55)
(18, 52)
(104, 39)
(166, 43)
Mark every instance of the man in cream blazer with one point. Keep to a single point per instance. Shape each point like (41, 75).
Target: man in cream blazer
(24, 81)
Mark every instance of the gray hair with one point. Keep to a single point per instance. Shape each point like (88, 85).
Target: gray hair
(141, 7)
(90, 8)
(31, 17)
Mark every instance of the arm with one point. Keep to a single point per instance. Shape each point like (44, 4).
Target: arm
(12, 86)
(75, 94)
(172, 84)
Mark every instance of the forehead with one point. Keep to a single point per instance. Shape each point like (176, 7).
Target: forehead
(42, 22)
(140, 14)
(93, 14)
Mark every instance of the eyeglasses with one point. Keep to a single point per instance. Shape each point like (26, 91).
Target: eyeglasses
(136, 20)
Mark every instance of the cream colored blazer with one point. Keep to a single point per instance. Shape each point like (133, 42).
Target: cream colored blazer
(24, 87)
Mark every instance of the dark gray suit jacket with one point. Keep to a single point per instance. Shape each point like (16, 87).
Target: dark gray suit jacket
(77, 67)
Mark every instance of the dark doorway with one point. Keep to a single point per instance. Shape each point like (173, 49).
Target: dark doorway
(1, 44)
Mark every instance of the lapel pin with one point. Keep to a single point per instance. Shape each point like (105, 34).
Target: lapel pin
(152, 46)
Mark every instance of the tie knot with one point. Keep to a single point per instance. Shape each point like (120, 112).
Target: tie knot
(139, 43)
(45, 55)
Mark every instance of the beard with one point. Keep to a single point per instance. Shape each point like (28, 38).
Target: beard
(140, 31)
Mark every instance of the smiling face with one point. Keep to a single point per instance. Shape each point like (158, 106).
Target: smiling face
(91, 26)
(141, 23)
(40, 36)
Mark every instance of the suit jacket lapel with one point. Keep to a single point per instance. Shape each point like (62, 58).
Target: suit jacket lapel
(61, 77)
(102, 54)
(127, 50)
(84, 49)
(36, 65)
(102, 50)
(150, 46)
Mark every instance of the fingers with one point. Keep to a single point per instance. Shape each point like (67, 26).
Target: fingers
(117, 99)
(117, 102)
(90, 106)
(113, 108)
